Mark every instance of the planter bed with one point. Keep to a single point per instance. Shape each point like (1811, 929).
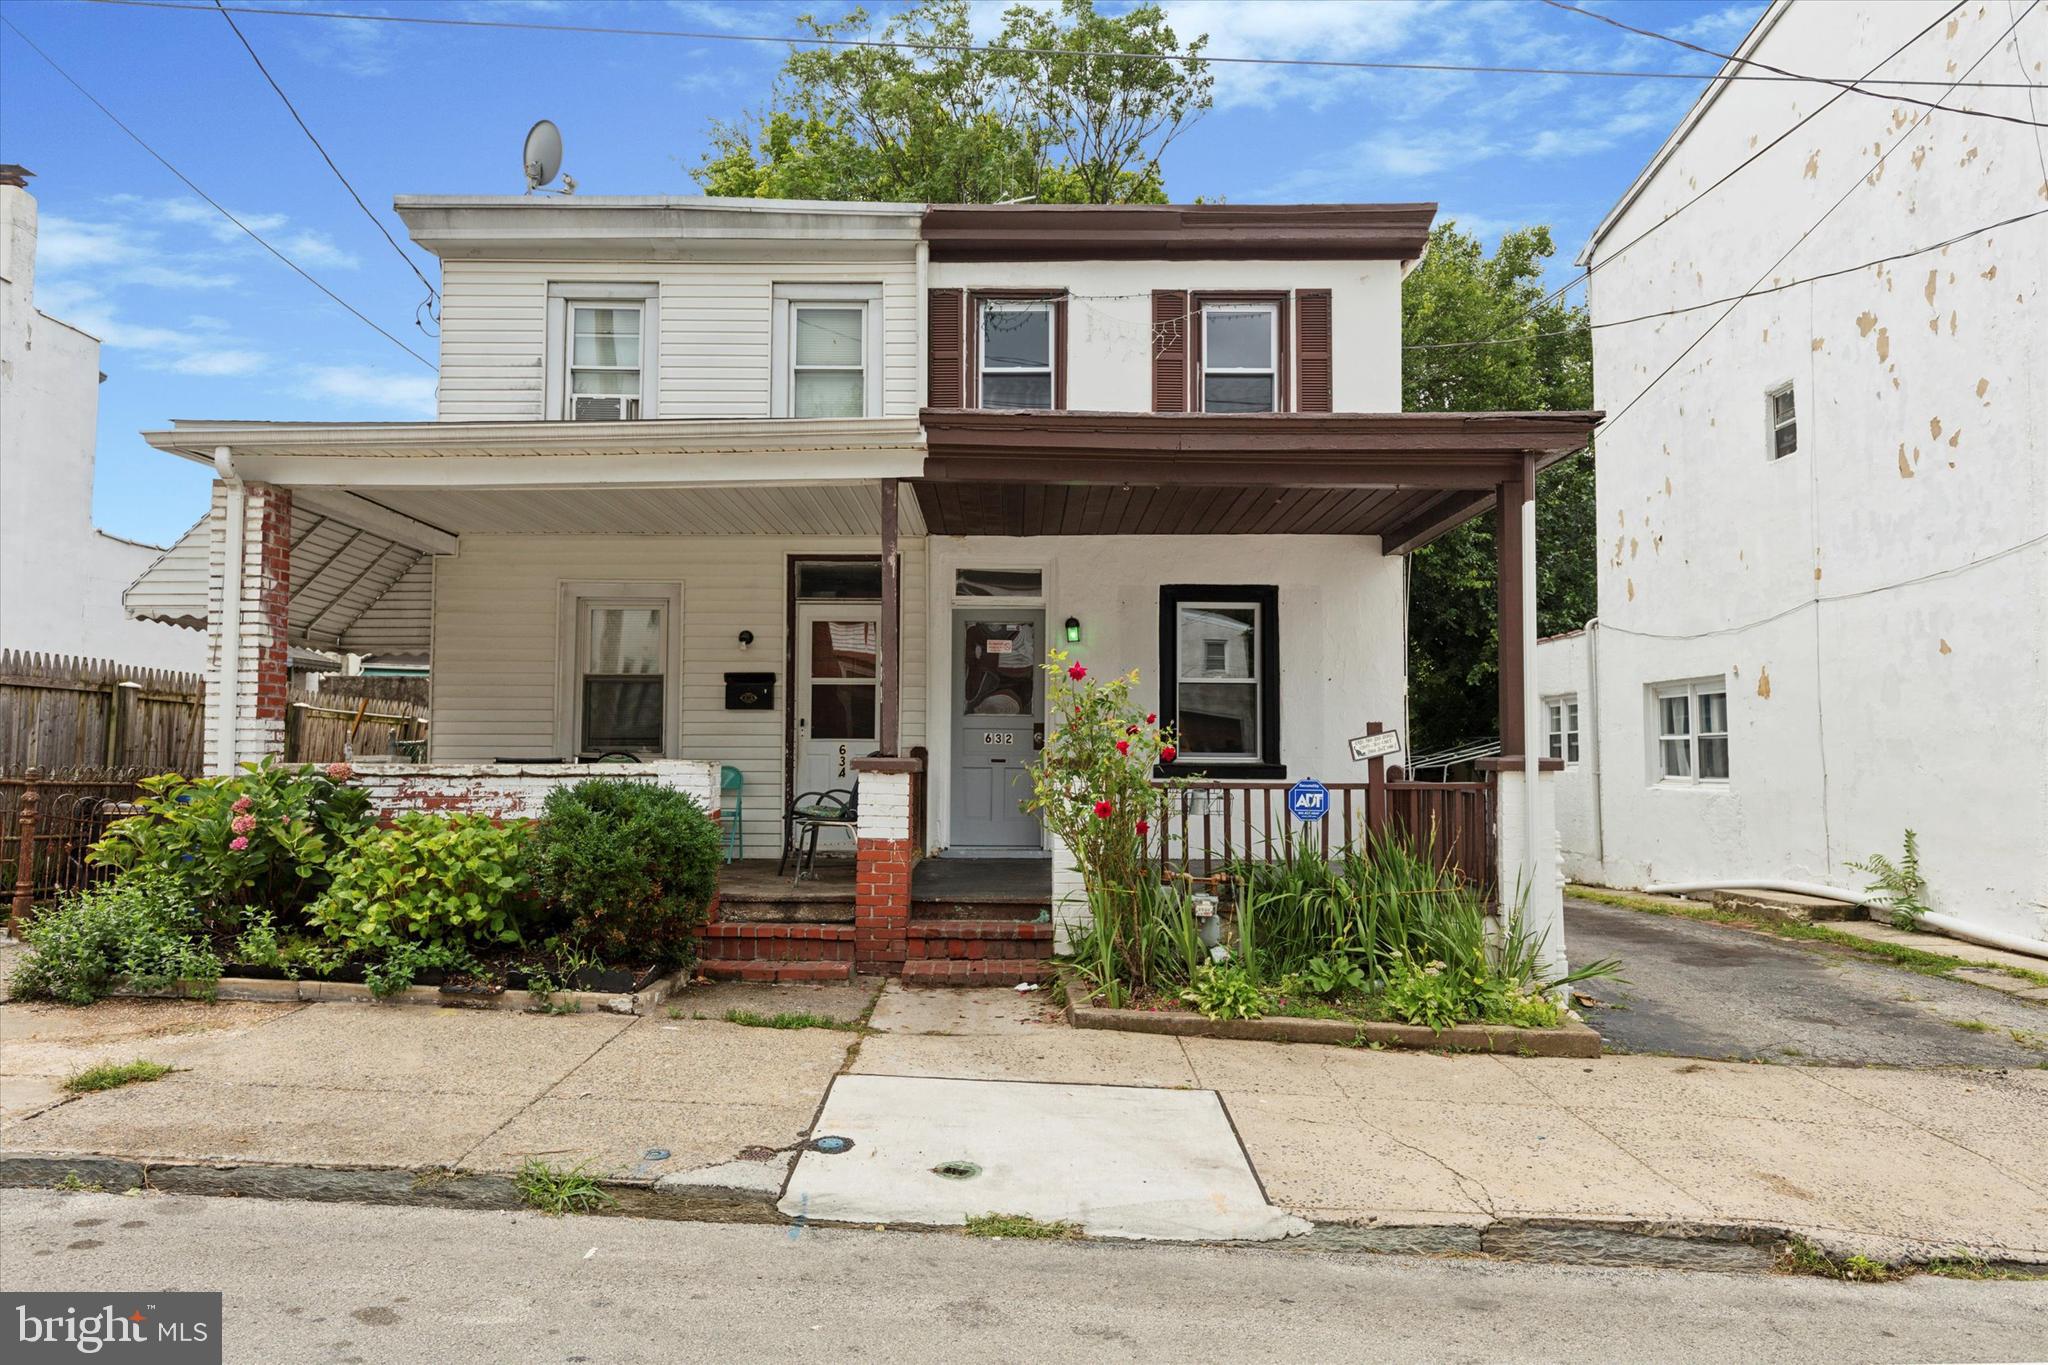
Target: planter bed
(655, 988)
(1570, 1039)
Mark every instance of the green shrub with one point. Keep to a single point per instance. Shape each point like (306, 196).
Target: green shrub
(454, 883)
(260, 839)
(1225, 992)
(631, 865)
(138, 929)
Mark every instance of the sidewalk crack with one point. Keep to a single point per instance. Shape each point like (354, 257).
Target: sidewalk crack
(1469, 1186)
(546, 1091)
(1917, 1126)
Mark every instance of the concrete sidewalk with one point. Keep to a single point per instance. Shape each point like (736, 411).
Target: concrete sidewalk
(1875, 1158)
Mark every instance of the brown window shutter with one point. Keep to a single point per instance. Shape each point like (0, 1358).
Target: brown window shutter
(1312, 350)
(1170, 329)
(946, 371)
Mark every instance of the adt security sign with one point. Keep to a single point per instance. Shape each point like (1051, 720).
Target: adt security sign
(1308, 799)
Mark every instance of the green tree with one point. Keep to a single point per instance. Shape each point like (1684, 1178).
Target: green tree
(1460, 294)
(941, 124)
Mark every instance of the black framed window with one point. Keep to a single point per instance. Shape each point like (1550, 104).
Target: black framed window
(1219, 669)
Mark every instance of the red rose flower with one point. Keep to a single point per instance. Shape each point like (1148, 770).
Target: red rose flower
(1123, 746)
(1076, 672)
(1152, 718)
(1168, 754)
(1103, 810)
(1144, 828)
(1130, 729)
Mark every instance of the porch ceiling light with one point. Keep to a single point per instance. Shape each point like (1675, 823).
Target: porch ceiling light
(1073, 630)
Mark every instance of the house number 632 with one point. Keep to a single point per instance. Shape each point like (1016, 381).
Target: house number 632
(1003, 737)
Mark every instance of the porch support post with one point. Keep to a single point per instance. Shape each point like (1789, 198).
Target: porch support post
(248, 599)
(1509, 597)
(892, 623)
(883, 857)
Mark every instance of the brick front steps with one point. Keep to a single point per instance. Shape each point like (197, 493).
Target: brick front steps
(977, 939)
(986, 972)
(997, 908)
(765, 970)
(725, 942)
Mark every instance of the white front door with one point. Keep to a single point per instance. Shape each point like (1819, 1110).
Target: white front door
(836, 694)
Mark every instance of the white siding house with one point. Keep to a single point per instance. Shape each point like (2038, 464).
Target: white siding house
(1824, 510)
(61, 577)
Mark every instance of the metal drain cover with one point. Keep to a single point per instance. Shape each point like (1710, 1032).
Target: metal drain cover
(957, 1170)
(831, 1144)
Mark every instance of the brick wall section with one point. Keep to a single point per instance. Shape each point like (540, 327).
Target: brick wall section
(979, 940)
(517, 791)
(883, 856)
(271, 615)
(778, 943)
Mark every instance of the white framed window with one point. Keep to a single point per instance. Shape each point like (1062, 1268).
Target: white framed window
(601, 364)
(1240, 357)
(1692, 731)
(1781, 417)
(1016, 350)
(1219, 655)
(826, 351)
(1562, 727)
(619, 669)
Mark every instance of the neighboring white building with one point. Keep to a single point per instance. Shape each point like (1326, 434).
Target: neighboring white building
(808, 490)
(1824, 533)
(61, 578)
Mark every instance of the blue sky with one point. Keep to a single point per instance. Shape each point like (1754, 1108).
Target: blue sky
(199, 322)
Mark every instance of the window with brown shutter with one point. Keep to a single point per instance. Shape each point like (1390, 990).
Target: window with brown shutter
(1170, 325)
(1240, 351)
(946, 369)
(1312, 350)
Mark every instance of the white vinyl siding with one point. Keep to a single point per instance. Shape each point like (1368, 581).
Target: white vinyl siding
(496, 636)
(711, 345)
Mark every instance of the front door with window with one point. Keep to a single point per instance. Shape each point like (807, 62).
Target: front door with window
(998, 728)
(838, 657)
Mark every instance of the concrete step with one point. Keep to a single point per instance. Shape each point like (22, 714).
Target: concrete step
(987, 972)
(763, 910)
(1785, 905)
(1022, 908)
(727, 942)
(762, 970)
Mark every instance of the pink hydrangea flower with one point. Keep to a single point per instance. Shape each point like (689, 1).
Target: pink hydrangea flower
(243, 803)
(242, 824)
(238, 844)
(340, 772)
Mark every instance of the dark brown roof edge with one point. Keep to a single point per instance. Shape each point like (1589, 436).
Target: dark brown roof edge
(1535, 432)
(1042, 232)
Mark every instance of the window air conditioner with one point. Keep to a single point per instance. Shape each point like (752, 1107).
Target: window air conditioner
(606, 408)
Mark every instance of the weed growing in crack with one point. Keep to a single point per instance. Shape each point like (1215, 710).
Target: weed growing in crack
(555, 1192)
(114, 1075)
(1021, 1226)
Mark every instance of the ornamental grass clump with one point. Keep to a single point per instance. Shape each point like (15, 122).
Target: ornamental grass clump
(1093, 788)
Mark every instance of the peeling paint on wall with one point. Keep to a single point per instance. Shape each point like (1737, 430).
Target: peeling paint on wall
(1945, 649)
(1905, 469)
(1763, 682)
(1864, 322)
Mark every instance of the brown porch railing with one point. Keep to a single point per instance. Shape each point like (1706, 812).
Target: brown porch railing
(1202, 826)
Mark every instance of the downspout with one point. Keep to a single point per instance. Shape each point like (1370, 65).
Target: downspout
(228, 674)
(1593, 729)
(1532, 706)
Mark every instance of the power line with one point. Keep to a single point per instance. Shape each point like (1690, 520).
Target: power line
(1610, 258)
(1799, 241)
(1327, 63)
(291, 108)
(211, 201)
(1846, 85)
(1730, 298)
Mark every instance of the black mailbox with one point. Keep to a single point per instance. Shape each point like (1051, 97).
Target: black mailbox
(750, 691)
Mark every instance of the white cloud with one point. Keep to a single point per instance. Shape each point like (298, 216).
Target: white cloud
(225, 362)
(371, 393)
(117, 253)
(1266, 28)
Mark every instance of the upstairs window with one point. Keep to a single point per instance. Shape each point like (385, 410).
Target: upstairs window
(828, 376)
(604, 361)
(1784, 422)
(1240, 357)
(1016, 354)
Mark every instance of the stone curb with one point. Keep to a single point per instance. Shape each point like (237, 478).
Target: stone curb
(1641, 1243)
(308, 991)
(1572, 1039)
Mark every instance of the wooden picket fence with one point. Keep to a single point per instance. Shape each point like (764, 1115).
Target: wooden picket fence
(62, 712)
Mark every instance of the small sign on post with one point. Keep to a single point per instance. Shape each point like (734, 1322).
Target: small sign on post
(1308, 800)
(1375, 745)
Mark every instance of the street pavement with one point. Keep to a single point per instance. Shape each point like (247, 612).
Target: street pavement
(341, 1282)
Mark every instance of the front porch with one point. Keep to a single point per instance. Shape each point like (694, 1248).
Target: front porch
(795, 606)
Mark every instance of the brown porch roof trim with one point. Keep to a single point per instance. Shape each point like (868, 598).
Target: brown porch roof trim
(1048, 232)
(1443, 450)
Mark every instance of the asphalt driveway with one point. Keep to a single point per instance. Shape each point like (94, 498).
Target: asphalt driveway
(1706, 990)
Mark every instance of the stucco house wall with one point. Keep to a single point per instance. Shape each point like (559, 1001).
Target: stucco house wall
(61, 578)
(1876, 601)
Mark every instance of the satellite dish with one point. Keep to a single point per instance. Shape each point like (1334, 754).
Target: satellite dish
(543, 156)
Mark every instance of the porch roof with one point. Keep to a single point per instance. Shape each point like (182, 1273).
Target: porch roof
(1406, 477)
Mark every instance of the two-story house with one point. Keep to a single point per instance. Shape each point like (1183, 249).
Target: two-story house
(807, 490)
(1823, 507)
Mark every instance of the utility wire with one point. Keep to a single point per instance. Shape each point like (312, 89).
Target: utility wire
(1799, 241)
(1846, 85)
(292, 109)
(1731, 298)
(1611, 257)
(211, 201)
(812, 40)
